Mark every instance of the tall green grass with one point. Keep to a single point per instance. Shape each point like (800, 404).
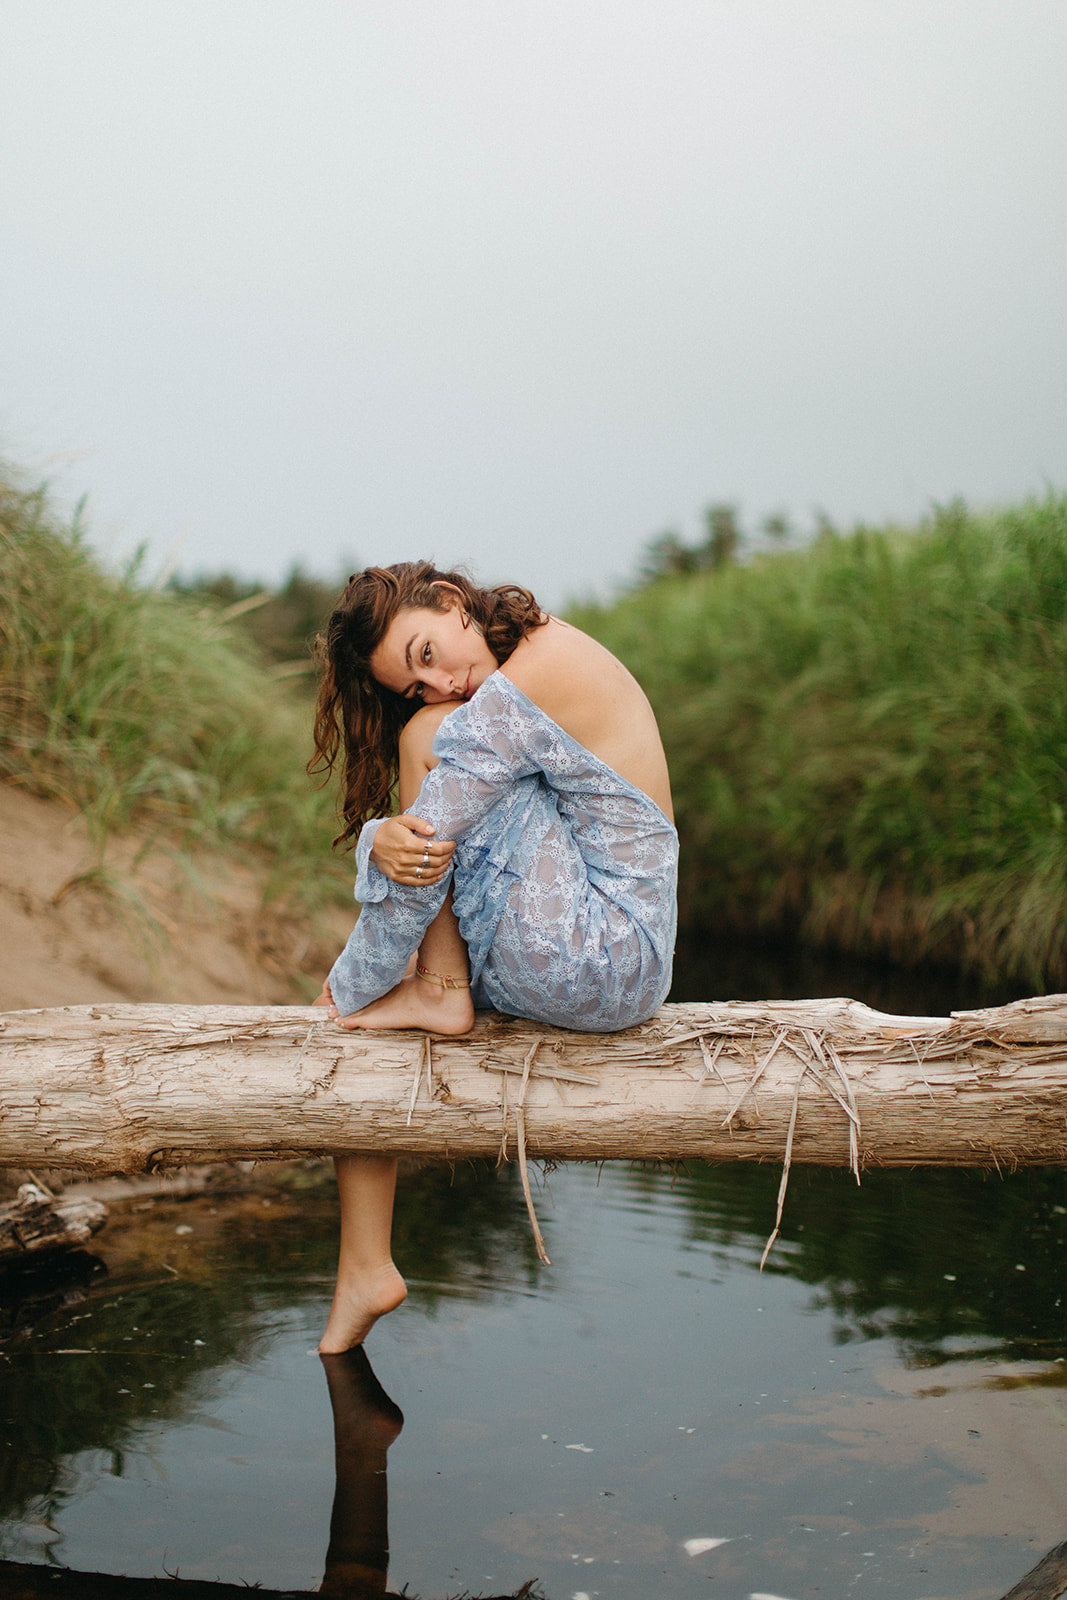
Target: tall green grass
(868, 739)
(131, 703)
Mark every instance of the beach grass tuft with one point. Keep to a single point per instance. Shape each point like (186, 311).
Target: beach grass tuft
(131, 703)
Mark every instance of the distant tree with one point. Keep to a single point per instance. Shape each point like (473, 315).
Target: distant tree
(777, 527)
(666, 556)
(669, 556)
(824, 528)
(724, 537)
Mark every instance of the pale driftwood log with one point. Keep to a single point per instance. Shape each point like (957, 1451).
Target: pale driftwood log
(1046, 1581)
(36, 1223)
(129, 1088)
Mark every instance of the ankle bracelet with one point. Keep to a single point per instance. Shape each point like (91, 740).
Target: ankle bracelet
(441, 981)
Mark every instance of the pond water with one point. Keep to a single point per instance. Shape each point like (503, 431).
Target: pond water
(880, 1412)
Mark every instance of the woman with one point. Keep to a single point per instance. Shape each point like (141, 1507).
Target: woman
(533, 867)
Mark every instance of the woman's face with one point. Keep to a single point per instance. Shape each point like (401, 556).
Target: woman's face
(433, 656)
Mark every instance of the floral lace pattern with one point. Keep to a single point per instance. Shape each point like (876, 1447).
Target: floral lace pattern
(564, 876)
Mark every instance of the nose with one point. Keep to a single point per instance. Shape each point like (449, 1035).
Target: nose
(436, 687)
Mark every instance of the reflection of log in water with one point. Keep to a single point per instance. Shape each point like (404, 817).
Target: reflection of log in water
(1046, 1581)
(365, 1423)
(21, 1582)
(124, 1088)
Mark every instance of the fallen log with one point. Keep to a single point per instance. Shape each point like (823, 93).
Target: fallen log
(35, 1223)
(130, 1088)
(1046, 1581)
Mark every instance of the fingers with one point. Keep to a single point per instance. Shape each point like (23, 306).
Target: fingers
(407, 852)
(428, 865)
(416, 824)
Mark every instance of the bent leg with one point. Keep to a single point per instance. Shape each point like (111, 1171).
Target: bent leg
(439, 1002)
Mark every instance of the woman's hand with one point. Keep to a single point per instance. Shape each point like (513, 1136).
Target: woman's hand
(406, 851)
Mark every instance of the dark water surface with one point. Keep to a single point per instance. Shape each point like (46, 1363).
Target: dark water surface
(880, 1412)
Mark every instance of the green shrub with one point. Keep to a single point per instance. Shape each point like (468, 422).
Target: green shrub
(868, 738)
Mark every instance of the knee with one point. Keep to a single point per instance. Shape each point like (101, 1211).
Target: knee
(417, 734)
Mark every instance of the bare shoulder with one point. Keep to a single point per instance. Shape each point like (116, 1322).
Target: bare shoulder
(558, 665)
(589, 693)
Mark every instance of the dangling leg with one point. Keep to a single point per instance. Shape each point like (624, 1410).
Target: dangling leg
(368, 1284)
(439, 1002)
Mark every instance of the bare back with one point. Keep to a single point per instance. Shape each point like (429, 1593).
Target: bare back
(591, 695)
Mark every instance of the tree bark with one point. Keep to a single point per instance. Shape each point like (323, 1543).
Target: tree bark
(130, 1088)
(1046, 1581)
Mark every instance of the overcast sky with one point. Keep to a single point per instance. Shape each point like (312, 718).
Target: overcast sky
(524, 283)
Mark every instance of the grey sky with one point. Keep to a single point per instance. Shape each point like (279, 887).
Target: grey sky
(524, 284)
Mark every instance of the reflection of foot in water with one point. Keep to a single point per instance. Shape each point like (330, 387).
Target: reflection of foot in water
(365, 1423)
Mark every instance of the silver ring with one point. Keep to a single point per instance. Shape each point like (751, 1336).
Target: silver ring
(418, 872)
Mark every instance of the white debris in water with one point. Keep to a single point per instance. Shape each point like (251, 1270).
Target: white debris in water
(697, 1547)
(183, 1227)
(758, 1595)
(586, 1449)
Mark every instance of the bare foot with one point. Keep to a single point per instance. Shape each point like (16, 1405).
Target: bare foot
(414, 1003)
(357, 1305)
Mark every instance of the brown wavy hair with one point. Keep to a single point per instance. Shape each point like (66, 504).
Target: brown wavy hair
(358, 720)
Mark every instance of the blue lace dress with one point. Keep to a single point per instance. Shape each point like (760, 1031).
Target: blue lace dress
(564, 876)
